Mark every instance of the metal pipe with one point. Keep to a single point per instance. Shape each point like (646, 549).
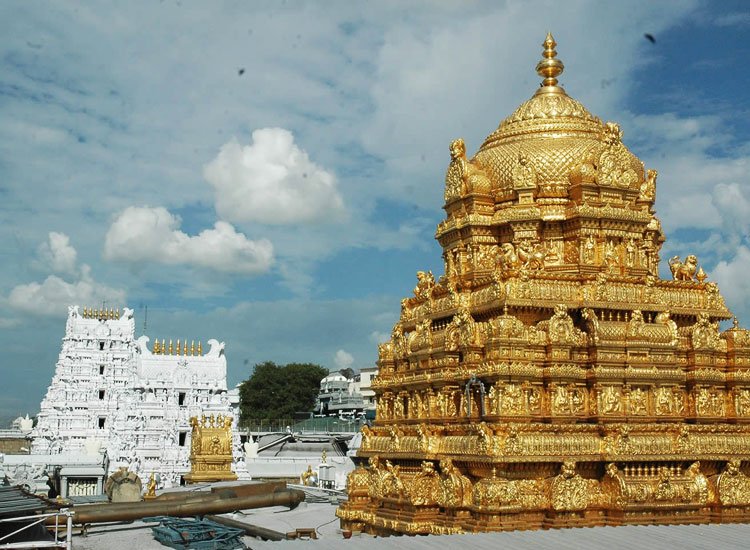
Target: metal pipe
(229, 491)
(249, 528)
(208, 504)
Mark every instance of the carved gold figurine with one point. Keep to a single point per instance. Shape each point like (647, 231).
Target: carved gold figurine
(550, 378)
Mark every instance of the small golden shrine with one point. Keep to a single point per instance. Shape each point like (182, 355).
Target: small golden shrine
(211, 449)
(550, 378)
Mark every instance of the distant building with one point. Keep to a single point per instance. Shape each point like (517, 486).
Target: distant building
(111, 393)
(366, 375)
(342, 396)
(17, 440)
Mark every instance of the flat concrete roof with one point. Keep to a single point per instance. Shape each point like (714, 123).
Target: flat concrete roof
(320, 516)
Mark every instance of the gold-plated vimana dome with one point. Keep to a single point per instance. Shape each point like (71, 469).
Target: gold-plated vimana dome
(555, 134)
(550, 377)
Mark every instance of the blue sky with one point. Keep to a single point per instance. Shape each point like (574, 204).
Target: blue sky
(271, 174)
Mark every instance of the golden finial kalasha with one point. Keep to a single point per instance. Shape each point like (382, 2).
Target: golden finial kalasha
(551, 377)
(549, 67)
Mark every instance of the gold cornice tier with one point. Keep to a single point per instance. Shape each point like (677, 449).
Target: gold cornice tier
(550, 377)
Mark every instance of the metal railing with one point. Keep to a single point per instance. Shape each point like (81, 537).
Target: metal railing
(57, 543)
(330, 424)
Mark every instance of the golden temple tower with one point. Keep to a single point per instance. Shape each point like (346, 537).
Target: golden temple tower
(550, 378)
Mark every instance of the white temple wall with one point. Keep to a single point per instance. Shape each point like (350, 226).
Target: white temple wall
(110, 392)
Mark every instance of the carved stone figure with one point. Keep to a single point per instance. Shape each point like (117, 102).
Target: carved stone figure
(509, 258)
(455, 488)
(614, 164)
(531, 256)
(524, 174)
(426, 485)
(611, 400)
(733, 485)
(742, 402)
(683, 271)
(425, 283)
(569, 489)
(705, 334)
(648, 187)
(638, 401)
(589, 250)
(463, 176)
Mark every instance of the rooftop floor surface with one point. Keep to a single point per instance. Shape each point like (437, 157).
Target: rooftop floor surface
(320, 516)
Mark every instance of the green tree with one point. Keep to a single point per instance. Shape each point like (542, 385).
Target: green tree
(278, 391)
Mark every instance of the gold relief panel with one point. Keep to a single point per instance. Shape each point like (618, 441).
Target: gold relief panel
(497, 494)
(427, 440)
(569, 492)
(669, 401)
(708, 401)
(733, 485)
(514, 399)
(426, 485)
(568, 400)
(741, 400)
(609, 400)
(638, 401)
(455, 488)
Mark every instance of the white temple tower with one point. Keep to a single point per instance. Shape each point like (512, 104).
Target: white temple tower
(110, 392)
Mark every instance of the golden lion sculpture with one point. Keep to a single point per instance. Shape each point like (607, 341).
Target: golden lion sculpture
(683, 271)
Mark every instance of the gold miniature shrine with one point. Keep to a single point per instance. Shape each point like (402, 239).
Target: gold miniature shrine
(550, 378)
(211, 449)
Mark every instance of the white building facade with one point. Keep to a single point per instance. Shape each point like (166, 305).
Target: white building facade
(111, 393)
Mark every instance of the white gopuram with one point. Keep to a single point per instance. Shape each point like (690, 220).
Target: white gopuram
(111, 393)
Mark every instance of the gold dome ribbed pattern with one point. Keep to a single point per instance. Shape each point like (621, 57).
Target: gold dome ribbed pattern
(554, 131)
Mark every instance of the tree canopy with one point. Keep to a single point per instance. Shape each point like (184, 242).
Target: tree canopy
(278, 391)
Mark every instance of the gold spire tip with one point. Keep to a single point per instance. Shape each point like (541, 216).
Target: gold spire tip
(550, 67)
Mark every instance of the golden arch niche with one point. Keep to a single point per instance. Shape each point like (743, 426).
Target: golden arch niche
(550, 377)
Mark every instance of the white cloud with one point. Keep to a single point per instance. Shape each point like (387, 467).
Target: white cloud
(54, 295)
(731, 201)
(343, 360)
(733, 280)
(6, 323)
(57, 254)
(378, 337)
(153, 234)
(273, 182)
(732, 19)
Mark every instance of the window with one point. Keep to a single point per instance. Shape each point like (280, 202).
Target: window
(183, 436)
(101, 346)
(102, 420)
(101, 369)
(101, 394)
(181, 398)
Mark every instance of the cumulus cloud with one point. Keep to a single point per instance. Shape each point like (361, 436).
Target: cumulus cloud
(378, 337)
(153, 235)
(343, 360)
(272, 181)
(731, 201)
(54, 295)
(57, 254)
(731, 275)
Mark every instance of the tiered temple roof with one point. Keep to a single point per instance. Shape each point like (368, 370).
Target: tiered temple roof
(550, 377)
